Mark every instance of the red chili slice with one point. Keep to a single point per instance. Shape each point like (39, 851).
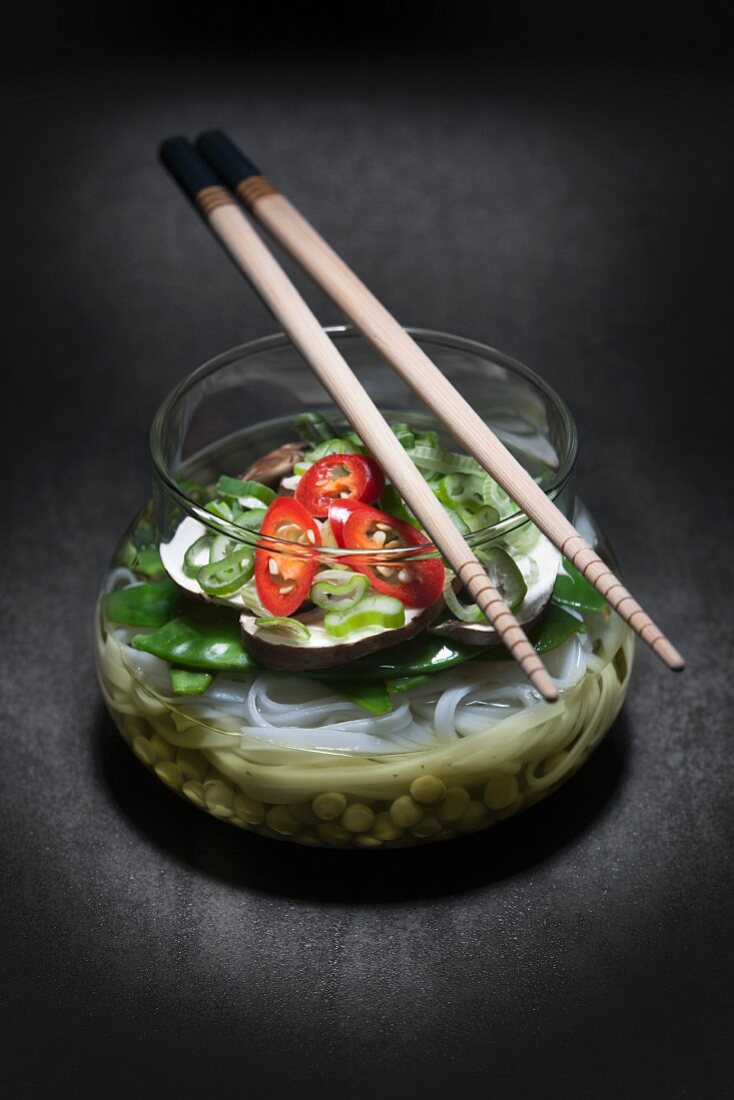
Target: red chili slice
(417, 583)
(339, 477)
(284, 585)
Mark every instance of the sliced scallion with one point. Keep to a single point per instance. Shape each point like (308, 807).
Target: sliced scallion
(313, 428)
(377, 610)
(245, 491)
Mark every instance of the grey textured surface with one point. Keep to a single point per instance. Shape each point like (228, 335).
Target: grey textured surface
(579, 218)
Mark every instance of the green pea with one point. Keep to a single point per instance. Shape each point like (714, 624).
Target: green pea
(303, 812)
(367, 841)
(162, 749)
(195, 793)
(500, 790)
(454, 804)
(474, 817)
(428, 826)
(169, 773)
(358, 818)
(219, 798)
(427, 788)
(329, 805)
(385, 828)
(192, 764)
(145, 751)
(281, 821)
(332, 833)
(249, 809)
(405, 812)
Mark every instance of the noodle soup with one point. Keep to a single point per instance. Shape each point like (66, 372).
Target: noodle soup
(305, 668)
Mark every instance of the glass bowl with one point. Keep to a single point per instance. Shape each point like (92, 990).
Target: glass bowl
(423, 740)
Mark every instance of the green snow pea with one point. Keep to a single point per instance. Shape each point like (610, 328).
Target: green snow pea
(556, 628)
(575, 591)
(206, 639)
(370, 694)
(187, 682)
(142, 604)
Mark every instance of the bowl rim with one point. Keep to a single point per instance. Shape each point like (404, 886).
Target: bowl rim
(281, 339)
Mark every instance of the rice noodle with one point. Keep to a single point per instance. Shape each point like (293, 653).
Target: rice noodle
(487, 702)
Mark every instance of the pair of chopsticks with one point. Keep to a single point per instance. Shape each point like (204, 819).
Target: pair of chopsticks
(200, 174)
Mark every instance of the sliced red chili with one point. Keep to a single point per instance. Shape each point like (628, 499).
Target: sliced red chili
(339, 477)
(283, 579)
(417, 583)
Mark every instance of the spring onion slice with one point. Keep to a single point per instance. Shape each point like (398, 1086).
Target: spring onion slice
(478, 518)
(281, 624)
(227, 576)
(245, 491)
(343, 446)
(444, 462)
(404, 434)
(338, 590)
(377, 610)
(252, 520)
(196, 556)
(221, 508)
(495, 495)
(313, 428)
(453, 489)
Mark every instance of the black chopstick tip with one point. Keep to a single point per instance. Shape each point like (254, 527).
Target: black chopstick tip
(188, 168)
(226, 158)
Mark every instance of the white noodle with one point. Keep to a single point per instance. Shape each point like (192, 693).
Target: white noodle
(488, 701)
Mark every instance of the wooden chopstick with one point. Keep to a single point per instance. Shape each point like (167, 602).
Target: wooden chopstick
(249, 252)
(396, 346)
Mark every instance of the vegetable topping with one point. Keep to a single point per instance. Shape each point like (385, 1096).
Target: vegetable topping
(283, 576)
(416, 583)
(337, 477)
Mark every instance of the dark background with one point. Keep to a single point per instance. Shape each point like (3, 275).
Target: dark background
(557, 185)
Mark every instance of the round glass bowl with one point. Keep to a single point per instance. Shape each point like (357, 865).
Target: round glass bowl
(421, 741)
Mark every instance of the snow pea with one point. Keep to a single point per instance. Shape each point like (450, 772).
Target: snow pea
(185, 681)
(142, 604)
(370, 694)
(556, 627)
(206, 639)
(575, 591)
(141, 559)
(420, 656)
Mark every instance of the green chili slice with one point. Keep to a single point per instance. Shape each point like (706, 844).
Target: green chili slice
(504, 575)
(338, 590)
(196, 556)
(225, 577)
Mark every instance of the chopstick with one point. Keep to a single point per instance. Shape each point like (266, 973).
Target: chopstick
(249, 252)
(399, 349)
